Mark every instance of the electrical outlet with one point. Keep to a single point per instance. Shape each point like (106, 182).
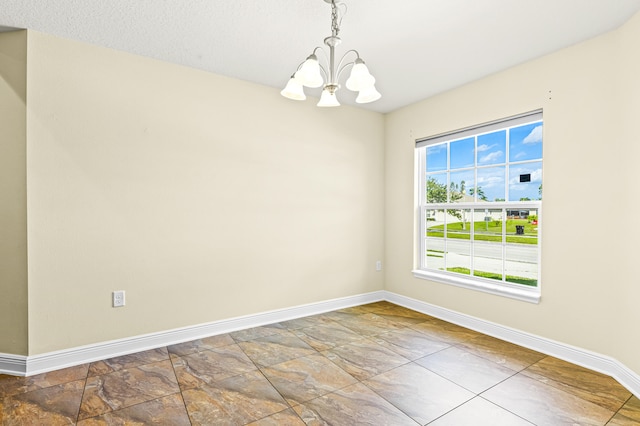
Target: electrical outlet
(379, 265)
(118, 298)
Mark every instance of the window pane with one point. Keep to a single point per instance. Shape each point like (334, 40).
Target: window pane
(525, 182)
(521, 266)
(525, 142)
(437, 188)
(459, 226)
(434, 242)
(491, 184)
(462, 153)
(487, 251)
(487, 260)
(461, 187)
(437, 157)
(492, 147)
(488, 225)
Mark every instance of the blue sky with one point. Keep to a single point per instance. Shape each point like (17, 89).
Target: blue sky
(525, 144)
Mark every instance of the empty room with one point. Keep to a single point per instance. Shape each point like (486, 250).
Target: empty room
(339, 212)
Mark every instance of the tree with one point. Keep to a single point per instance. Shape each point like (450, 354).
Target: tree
(525, 199)
(481, 194)
(437, 193)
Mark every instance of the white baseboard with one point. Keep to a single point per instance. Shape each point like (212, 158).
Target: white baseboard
(15, 365)
(27, 366)
(591, 360)
(18, 365)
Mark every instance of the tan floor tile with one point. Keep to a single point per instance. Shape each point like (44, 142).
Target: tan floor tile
(480, 412)
(391, 348)
(237, 400)
(51, 406)
(169, 410)
(511, 356)
(255, 332)
(445, 331)
(466, 369)
(298, 323)
(211, 366)
(542, 404)
(128, 387)
(370, 324)
(353, 405)
(364, 359)
(127, 361)
(283, 418)
(628, 415)
(400, 314)
(423, 395)
(200, 345)
(302, 379)
(586, 384)
(380, 305)
(326, 336)
(275, 349)
(13, 385)
(410, 343)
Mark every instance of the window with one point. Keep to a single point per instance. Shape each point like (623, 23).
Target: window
(480, 202)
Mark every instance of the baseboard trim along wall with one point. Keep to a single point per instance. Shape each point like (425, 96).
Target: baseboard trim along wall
(18, 365)
(591, 360)
(28, 366)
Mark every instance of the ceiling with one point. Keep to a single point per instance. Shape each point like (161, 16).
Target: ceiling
(414, 48)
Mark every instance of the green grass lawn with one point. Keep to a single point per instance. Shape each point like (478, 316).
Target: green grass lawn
(532, 282)
(488, 231)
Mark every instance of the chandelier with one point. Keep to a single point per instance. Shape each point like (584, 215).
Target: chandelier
(311, 73)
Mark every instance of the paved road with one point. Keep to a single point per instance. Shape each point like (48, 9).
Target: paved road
(516, 252)
(521, 260)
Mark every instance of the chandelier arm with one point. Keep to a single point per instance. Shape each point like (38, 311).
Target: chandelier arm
(324, 72)
(328, 62)
(344, 67)
(326, 58)
(340, 66)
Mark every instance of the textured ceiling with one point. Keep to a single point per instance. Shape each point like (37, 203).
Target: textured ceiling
(415, 48)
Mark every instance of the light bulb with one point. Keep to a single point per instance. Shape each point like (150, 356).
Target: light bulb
(309, 73)
(294, 90)
(360, 78)
(328, 99)
(367, 95)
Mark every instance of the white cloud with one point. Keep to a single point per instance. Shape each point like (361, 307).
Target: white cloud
(491, 157)
(485, 147)
(435, 149)
(490, 181)
(520, 155)
(534, 137)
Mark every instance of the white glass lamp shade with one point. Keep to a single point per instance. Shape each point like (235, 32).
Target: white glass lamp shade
(309, 73)
(328, 99)
(360, 78)
(294, 90)
(367, 95)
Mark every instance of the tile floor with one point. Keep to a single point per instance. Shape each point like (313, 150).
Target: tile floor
(376, 364)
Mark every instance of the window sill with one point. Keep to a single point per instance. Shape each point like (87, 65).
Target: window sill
(525, 295)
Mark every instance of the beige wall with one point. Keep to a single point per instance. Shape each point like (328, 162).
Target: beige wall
(202, 197)
(13, 193)
(590, 95)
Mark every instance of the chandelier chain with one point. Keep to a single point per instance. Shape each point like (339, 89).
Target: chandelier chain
(335, 25)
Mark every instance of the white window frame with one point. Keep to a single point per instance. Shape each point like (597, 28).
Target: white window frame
(501, 288)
